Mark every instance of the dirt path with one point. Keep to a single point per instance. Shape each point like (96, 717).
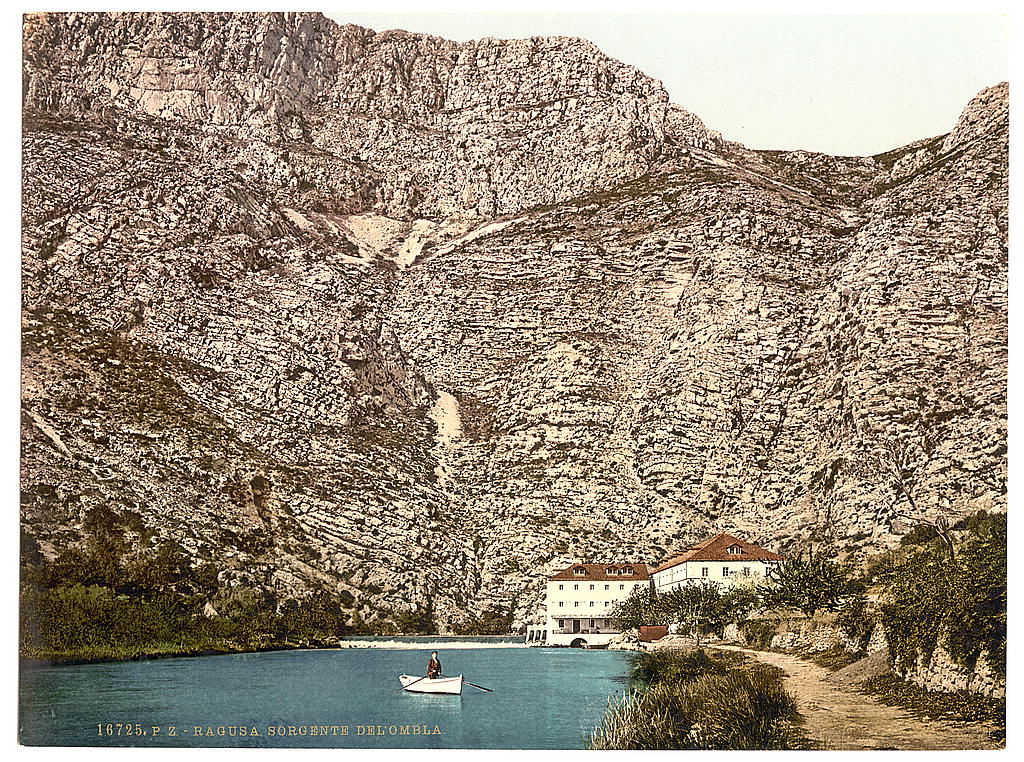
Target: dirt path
(839, 718)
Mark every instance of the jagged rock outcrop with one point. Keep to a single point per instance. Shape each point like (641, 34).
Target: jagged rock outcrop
(419, 321)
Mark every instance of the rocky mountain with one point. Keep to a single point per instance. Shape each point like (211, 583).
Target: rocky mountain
(418, 322)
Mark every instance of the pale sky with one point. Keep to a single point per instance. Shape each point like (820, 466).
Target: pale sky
(844, 85)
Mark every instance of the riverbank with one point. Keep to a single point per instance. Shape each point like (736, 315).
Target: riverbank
(154, 653)
(171, 651)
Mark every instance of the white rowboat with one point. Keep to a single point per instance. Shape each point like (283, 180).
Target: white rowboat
(426, 685)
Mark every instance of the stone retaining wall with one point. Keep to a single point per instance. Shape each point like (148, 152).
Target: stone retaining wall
(942, 673)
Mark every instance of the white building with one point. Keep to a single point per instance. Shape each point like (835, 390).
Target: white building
(580, 601)
(724, 560)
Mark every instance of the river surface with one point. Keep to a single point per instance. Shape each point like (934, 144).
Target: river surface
(543, 698)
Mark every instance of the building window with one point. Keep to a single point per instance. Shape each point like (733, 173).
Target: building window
(606, 604)
(735, 550)
(579, 571)
(591, 587)
(592, 623)
(610, 571)
(607, 586)
(576, 604)
(622, 587)
(561, 587)
(561, 624)
(591, 604)
(627, 571)
(725, 571)
(746, 571)
(561, 603)
(575, 587)
(704, 571)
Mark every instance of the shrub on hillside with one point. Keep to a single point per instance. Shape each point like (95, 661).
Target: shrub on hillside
(961, 601)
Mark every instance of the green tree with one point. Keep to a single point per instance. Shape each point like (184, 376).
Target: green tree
(697, 609)
(641, 607)
(740, 601)
(810, 583)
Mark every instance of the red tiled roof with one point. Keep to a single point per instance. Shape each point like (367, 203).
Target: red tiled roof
(600, 572)
(716, 549)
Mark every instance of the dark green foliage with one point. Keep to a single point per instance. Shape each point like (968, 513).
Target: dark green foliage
(741, 601)
(642, 607)
(647, 668)
(389, 622)
(697, 610)
(122, 593)
(976, 618)
(490, 622)
(418, 622)
(30, 554)
(856, 621)
(963, 602)
(79, 619)
(693, 700)
(961, 706)
(810, 583)
(758, 633)
(922, 534)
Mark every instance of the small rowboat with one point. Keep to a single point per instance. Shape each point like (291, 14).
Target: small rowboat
(427, 685)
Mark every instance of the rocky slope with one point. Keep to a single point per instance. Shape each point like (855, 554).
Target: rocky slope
(418, 321)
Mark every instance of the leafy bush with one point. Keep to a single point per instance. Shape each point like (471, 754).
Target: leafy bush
(758, 633)
(856, 621)
(490, 622)
(107, 598)
(77, 618)
(697, 609)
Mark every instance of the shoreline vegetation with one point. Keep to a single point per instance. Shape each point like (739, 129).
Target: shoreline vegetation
(124, 593)
(698, 700)
(157, 651)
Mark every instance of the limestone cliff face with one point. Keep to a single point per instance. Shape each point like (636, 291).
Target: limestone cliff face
(417, 321)
(436, 128)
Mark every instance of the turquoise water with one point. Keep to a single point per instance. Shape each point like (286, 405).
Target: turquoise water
(543, 699)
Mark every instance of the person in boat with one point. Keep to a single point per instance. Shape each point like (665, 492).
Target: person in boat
(433, 666)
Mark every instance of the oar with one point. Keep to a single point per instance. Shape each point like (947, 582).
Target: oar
(489, 690)
(415, 681)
